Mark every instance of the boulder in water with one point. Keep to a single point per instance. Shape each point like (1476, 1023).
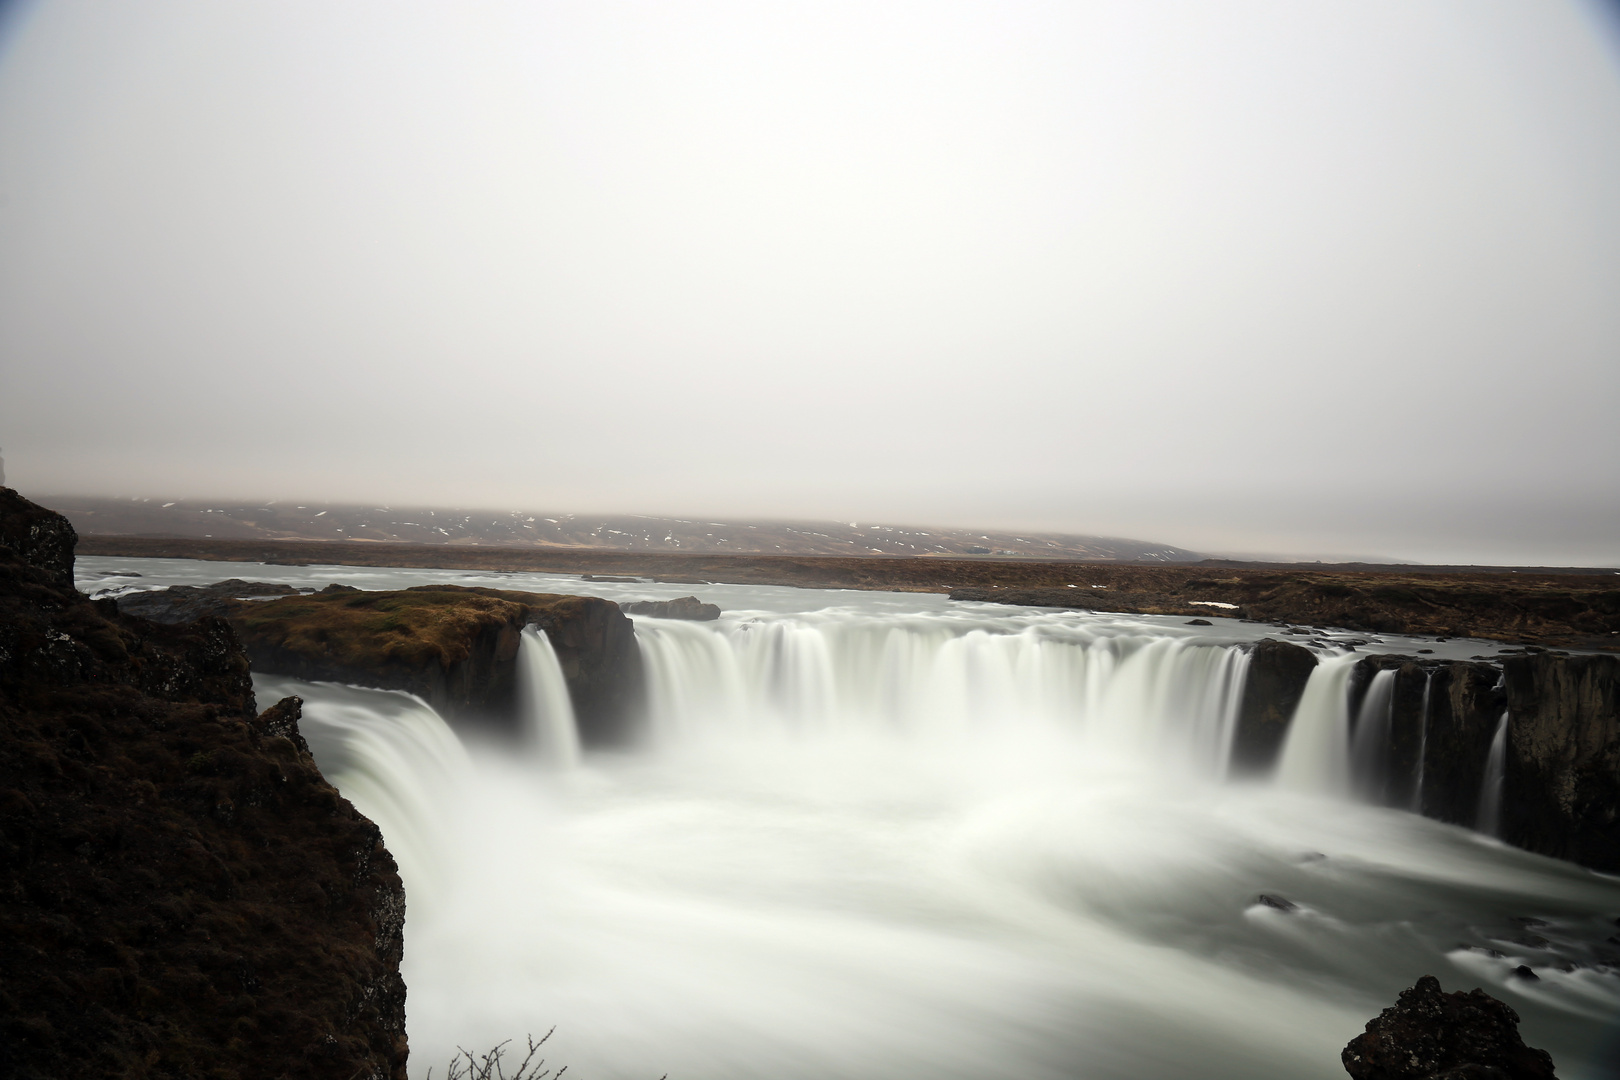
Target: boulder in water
(687, 607)
(1429, 1035)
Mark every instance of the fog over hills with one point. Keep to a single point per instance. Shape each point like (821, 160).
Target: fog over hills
(529, 528)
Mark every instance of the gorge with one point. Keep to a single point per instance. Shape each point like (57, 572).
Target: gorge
(866, 833)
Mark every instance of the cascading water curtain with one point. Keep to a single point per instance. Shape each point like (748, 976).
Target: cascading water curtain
(546, 708)
(1488, 820)
(1164, 699)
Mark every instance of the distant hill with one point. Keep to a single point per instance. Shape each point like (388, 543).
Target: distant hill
(518, 528)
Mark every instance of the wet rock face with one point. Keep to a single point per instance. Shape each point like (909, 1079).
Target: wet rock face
(1561, 792)
(1465, 705)
(686, 607)
(181, 892)
(1397, 763)
(1278, 672)
(1429, 1034)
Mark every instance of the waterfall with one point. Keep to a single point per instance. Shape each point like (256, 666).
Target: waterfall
(1169, 699)
(545, 707)
(1316, 751)
(1423, 743)
(1489, 818)
(1369, 743)
(390, 753)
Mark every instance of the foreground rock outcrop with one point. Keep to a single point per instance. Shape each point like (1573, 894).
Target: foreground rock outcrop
(181, 892)
(1431, 1035)
(455, 647)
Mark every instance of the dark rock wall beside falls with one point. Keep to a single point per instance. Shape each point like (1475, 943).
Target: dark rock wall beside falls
(1272, 688)
(1561, 791)
(181, 893)
(1443, 716)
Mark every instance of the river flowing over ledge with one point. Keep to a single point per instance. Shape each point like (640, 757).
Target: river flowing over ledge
(874, 834)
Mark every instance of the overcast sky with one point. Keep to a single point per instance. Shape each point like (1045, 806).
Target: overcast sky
(1310, 278)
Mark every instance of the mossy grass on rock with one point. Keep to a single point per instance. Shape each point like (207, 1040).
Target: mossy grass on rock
(456, 647)
(181, 893)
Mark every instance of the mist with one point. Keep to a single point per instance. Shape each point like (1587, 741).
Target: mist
(1337, 280)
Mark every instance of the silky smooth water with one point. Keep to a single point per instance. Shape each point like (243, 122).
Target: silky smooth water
(880, 835)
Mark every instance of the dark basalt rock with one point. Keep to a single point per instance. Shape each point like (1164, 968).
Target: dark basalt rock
(181, 892)
(1561, 782)
(1429, 1034)
(186, 603)
(1561, 789)
(39, 537)
(1465, 705)
(1278, 672)
(1411, 700)
(687, 607)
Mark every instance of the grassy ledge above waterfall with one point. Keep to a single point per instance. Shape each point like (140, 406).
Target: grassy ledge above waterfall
(454, 647)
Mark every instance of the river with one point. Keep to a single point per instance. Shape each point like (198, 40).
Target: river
(881, 835)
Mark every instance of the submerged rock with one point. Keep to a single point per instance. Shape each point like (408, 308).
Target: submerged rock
(687, 607)
(1429, 1034)
(181, 892)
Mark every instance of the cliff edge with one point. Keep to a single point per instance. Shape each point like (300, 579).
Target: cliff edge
(181, 892)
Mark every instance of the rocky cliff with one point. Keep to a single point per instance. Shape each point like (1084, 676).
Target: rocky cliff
(181, 893)
(1561, 789)
(455, 647)
(1560, 793)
